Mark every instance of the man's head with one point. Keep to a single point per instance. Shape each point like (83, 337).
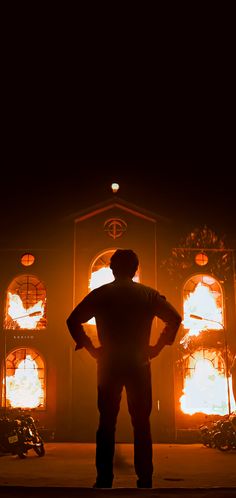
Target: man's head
(124, 263)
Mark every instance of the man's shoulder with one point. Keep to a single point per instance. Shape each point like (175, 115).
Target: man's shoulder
(147, 289)
(102, 289)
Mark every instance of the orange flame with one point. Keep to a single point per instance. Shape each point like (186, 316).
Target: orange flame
(100, 277)
(24, 389)
(206, 385)
(201, 302)
(206, 388)
(25, 318)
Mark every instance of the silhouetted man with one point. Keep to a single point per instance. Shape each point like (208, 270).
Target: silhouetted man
(124, 311)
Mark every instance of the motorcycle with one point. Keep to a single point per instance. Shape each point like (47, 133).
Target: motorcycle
(20, 435)
(225, 438)
(206, 436)
(221, 434)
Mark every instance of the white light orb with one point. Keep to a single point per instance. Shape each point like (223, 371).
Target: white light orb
(115, 187)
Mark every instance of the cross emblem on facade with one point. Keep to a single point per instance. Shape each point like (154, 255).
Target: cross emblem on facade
(115, 227)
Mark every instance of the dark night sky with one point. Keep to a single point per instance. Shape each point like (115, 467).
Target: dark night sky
(190, 193)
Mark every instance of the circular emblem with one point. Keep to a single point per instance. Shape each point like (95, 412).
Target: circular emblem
(115, 227)
(201, 259)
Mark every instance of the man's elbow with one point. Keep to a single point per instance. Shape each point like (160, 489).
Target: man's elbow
(69, 322)
(178, 320)
(175, 321)
(172, 328)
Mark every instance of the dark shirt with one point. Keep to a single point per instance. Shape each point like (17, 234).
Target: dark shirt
(124, 311)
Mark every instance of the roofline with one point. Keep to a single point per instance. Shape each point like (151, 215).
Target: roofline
(116, 202)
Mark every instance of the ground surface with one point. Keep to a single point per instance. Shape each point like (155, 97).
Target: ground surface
(68, 469)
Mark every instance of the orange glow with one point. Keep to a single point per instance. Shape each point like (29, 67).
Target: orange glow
(103, 276)
(100, 277)
(27, 259)
(201, 302)
(24, 389)
(201, 259)
(24, 318)
(205, 387)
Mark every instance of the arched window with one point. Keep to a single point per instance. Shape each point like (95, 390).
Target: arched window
(100, 272)
(25, 304)
(24, 380)
(203, 304)
(206, 387)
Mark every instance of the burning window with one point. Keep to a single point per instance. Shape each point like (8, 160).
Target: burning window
(100, 270)
(25, 380)
(207, 383)
(26, 304)
(203, 305)
(206, 386)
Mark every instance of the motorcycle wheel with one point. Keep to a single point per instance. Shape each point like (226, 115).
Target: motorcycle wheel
(224, 447)
(221, 443)
(21, 455)
(40, 450)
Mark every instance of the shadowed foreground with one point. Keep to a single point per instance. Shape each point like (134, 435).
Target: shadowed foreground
(121, 492)
(68, 469)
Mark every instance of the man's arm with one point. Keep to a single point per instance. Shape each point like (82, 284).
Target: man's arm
(81, 314)
(170, 316)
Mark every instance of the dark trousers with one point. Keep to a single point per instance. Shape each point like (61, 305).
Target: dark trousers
(137, 382)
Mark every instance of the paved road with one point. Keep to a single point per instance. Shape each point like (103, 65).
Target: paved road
(68, 470)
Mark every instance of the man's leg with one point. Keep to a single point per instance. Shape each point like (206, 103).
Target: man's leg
(109, 397)
(139, 397)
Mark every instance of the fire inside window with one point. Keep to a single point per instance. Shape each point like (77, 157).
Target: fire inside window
(207, 385)
(26, 304)
(102, 274)
(100, 271)
(25, 380)
(203, 304)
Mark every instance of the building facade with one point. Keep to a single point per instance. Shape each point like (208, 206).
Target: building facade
(42, 374)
